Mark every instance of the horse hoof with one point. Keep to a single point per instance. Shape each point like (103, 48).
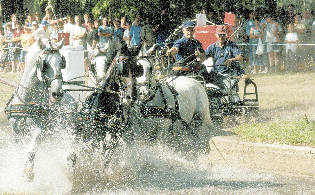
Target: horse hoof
(28, 175)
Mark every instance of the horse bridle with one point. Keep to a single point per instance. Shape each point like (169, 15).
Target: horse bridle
(40, 64)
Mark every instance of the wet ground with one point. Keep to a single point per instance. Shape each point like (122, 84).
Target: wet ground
(137, 169)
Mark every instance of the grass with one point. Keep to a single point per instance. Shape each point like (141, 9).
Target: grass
(287, 110)
(296, 132)
(14, 76)
(7, 91)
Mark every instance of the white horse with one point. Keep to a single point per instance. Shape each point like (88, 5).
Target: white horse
(98, 70)
(175, 109)
(39, 97)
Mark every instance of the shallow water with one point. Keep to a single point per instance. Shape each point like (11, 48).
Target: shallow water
(134, 169)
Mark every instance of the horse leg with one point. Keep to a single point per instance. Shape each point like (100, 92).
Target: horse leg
(18, 128)
(28, 173)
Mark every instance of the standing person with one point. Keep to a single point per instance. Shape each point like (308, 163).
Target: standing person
(123, 20)
(161, 29)
(263, 24)
(78, 33)
(91, 41)
(291, 39)
(26, 41)
(126, 37)
(14, 20)
(256, 33)
(12, 50)
(289, 15)
(29, 19)
(54, 32)
(226, 59)
(91, 37)
(86, 18)
(69, 25)
(34, 26)
(135, 39)
(189, 53)
(300, 30)
(147, 35)
(2, 51)
(118, 30)
(249, 25)
(36, 18)
(105, 33)
(273, 30)
(19, 51)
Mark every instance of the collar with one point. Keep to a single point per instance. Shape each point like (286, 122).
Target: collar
(187, 40)
(225, 45)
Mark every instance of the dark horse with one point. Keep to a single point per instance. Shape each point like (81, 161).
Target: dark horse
(39, 99)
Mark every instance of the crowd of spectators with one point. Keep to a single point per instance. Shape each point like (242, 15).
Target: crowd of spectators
(17, 35)
(269, 42)
(286, 37)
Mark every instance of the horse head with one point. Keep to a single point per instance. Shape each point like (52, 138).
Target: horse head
(49, 65)
(145, 82)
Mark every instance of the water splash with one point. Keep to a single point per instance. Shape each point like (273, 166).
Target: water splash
(133, 169)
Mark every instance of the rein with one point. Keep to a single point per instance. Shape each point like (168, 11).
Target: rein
(163, 111)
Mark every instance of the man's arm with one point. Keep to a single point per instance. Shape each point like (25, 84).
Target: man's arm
(173, 51)
(78, 36)
(238, 58)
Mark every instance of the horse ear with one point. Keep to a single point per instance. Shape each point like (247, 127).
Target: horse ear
(40, 43)
(62, 42)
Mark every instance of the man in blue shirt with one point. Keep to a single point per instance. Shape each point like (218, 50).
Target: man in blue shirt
(118, 31)
(135, 39)
(189, 53)
(226, 60)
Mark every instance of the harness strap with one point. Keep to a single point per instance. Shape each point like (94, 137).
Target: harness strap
(171, 113)
(179, 68)
(31, 109)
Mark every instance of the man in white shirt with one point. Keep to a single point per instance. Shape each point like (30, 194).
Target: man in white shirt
(67, 27)
(78, 33)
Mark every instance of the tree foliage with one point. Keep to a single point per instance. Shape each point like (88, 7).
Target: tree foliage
(178, 9)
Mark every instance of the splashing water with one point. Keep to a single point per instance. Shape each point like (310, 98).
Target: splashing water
(133, 169)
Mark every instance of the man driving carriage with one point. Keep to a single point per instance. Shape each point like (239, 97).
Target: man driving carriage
(189, 53)
(226, 69)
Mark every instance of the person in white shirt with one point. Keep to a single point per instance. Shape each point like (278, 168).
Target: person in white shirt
(291, 40)
(69, 25)
(126, 36)
(272, 38)
(78, 33)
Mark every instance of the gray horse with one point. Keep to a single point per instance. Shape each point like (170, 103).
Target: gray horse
(39, 100)
(174, 110)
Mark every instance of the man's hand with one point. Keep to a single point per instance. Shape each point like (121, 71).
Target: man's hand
(197, 53)
(200, 56)
(172, 51)
(228, 63)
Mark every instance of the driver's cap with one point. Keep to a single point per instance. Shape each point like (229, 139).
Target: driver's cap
(189, 24)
